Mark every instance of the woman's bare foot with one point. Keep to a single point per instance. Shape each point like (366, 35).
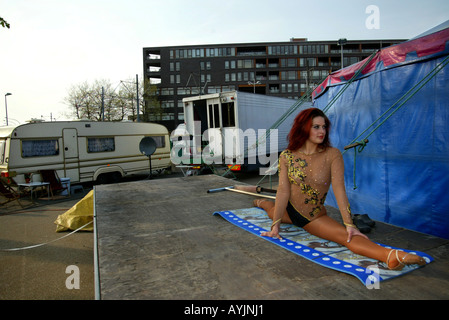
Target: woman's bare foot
(398, 259)
(257, 202)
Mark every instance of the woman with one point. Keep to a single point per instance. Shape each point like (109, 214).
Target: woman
(307, 168)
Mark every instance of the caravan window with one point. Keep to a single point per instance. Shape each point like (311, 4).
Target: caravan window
(40, 148)
(2, 151)
(100, 144)
(160, 141)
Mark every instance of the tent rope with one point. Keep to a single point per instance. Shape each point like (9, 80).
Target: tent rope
(275, 125)
(356, 74)
(301, 101)
(397, 105)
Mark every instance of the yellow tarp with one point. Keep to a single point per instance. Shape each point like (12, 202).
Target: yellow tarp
(77, 216)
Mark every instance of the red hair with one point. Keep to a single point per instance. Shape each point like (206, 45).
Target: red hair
(300, 131)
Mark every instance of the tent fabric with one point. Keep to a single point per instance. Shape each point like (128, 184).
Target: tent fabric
(402, 175)
(427, 47)
(77, 216)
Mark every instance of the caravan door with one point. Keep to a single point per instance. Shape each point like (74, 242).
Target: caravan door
(71, 155)
(215, 151)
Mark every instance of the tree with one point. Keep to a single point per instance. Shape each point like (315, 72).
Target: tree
(93, 101)
(152, 110)
(4, 23)
(103, 101)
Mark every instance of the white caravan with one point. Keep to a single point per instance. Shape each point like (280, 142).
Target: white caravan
(82, 150)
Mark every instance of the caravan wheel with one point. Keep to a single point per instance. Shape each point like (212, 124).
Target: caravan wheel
(107, 178)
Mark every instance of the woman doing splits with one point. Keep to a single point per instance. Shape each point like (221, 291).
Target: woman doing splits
(307, 168)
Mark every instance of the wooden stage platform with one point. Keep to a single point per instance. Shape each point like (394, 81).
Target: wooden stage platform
(158, 239)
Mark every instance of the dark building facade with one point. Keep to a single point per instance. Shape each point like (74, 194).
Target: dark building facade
(284, 69)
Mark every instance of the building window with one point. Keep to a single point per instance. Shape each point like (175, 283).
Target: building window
(288, 75)
(183, 91)
(167, 104)
(282, 50)
(167, 91)
(245, 64)
(205, 65)
(197, 53)
(175, 66)
(288, 63)
(295, 87)
(274, 88)
(314, 49)
(168, 116)
(206, 78)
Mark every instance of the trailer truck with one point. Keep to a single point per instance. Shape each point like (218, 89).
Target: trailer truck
(240, 130)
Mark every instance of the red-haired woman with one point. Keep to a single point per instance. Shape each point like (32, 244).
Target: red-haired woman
(307, 168)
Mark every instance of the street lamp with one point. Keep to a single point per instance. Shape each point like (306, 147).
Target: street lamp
(254, 84)
(341, 42)
(6, 107)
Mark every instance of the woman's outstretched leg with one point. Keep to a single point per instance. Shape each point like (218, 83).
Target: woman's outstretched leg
(268, 206)
(329, 229)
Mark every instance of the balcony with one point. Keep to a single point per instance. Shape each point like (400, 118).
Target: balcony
(252, 51)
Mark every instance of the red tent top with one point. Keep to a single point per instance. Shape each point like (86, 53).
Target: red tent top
(405, 52)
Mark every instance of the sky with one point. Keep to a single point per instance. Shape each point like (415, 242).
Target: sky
(53, 45)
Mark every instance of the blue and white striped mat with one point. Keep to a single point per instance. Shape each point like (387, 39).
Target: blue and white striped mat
(323, 252)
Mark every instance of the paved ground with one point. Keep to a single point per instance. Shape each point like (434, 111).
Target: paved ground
(40, 273)
(151, 247)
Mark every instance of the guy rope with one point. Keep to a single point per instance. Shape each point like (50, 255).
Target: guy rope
(390, 111)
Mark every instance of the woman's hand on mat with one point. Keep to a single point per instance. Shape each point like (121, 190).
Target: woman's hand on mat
(354, 232)
(274, 233)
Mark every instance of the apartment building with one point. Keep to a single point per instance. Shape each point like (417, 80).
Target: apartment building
(285, 69)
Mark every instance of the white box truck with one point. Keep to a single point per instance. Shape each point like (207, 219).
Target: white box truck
(82, 150)
(233, 129)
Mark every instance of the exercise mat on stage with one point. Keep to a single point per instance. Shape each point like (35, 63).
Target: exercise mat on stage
(326, 253)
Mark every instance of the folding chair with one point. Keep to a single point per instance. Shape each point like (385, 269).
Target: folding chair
(51, 176)
(9, 193)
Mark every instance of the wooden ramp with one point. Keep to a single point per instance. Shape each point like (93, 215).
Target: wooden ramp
(158, 239)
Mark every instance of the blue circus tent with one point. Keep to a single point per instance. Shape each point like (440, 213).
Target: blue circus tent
(397, 99)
